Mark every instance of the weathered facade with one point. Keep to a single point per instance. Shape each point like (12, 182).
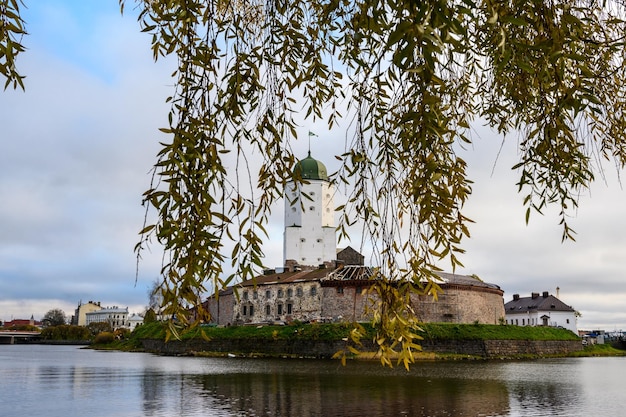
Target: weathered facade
(326, 295)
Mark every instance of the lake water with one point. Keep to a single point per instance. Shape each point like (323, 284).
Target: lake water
(67, 381)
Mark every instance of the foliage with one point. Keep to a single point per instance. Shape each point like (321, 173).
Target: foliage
(66, 332)
(104, 338)
(121, 333)
(150, 316)
(99, 327)
(54, 317)
(21, 327)
(12, 29)
(408, 77)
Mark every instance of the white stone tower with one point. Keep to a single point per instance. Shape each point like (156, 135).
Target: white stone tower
(309, 237)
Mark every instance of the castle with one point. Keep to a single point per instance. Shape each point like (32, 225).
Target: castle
(320, 283)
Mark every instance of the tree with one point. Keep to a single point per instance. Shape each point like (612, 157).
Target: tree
(54, 317)
(99, 327)
(150, 316)
(410, 77)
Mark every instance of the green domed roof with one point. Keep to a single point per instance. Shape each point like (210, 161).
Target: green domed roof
(310, 169)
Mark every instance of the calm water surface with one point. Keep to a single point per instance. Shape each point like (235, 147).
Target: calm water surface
(55, 381)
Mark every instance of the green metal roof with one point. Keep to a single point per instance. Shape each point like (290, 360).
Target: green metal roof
(310, 169)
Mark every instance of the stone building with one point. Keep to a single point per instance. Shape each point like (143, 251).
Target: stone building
(320, 283)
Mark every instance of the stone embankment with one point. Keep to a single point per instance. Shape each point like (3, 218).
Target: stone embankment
(487, 349)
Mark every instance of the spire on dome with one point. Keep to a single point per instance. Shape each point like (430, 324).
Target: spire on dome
(310, 169)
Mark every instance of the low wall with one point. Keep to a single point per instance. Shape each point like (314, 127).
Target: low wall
(502, 348)
(321, 349)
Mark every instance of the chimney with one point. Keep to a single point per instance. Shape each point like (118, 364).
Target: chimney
(557, 292)
(515, 297)
(534, 295)
(545, 294)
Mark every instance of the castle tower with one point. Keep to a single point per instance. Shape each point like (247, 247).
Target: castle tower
(309, 237)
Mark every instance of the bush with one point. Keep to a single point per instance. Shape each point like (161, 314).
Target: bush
(65, 332)
(122, 334)
(104, 338)
(99, 327)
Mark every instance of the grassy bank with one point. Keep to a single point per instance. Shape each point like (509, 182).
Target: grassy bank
(336, 332)
(449, 331)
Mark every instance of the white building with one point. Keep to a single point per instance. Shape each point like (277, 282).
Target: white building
(309, 237)
(540, 310)
(115, 316)
(134, 321)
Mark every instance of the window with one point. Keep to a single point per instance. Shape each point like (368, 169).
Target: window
(339, 290)
(289, 293)
(299, 291)
(359, 290)
(268, 310)
(255, 295)
(302, 240)
(245, 309)
(319, 240)
(313, 291)
(293, 209)
(280, 293)
(252, 310)
(567, 321)
(288, 308)
(523, 322)
(245, 295)
(268, 293)
(312, 208)
(280, 309)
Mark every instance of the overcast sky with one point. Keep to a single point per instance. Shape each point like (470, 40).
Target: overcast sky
(77, 147)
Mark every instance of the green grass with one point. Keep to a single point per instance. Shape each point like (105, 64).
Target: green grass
(450, 331)
(600, 350)
(339, 331)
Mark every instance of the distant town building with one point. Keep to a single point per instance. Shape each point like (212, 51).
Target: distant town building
(540, 310)
(319, 283)
(117, 317)
(134, 321)
(22, 322)
(80, 314)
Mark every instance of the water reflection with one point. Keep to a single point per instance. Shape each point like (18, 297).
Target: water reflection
(40, 381)
(311, 388)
